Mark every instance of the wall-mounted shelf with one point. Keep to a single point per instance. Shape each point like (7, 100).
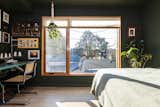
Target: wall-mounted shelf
(25, 37)
(26, 29)
(28, 43)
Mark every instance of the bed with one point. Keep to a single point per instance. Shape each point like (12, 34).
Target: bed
(127, 87)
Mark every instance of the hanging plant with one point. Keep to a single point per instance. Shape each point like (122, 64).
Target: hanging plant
(53, 31)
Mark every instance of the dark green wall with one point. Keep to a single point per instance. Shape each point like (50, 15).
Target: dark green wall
(152, 31)
(5, 47)
(131, 16)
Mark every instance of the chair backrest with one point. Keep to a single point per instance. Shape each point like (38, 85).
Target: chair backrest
(29, 67)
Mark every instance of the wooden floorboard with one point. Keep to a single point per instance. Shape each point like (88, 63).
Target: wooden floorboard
(57, 97)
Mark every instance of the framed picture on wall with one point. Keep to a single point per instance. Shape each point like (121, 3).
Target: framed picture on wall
(33, 54)
(6, 37)
(5, 17)
(0, 18)
(131, 31)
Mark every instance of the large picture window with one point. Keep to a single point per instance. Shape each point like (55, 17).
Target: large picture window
(84, 45)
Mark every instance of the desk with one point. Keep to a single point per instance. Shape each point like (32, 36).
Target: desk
(7, 66)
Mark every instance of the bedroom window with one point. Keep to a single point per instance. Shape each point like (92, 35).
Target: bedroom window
(84, 45)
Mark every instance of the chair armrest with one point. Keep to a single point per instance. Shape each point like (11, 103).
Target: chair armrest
(20, 69)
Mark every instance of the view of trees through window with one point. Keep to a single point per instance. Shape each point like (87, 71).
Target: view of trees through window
(83, 46)
(92, 49)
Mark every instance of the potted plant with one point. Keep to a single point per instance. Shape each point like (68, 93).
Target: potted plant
(134, 56)
(53, 31)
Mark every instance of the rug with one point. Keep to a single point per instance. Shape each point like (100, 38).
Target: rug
(90, 103)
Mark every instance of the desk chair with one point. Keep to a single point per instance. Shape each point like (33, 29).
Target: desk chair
(29, 73)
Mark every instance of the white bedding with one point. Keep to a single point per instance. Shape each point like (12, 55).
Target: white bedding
(127, 87)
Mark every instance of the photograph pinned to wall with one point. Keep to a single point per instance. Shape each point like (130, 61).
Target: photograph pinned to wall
(33, 54)
(5, 17)
(131, 31)
(6, 37)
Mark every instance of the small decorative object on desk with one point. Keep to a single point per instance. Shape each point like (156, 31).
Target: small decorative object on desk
(9, 55)
(15, 53)
(5, 55)
(11, 61)
(1, 56)
(19, 54)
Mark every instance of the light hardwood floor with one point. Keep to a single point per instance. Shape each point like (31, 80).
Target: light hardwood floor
(58, 97)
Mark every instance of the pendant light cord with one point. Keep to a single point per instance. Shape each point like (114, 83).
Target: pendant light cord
(52, 8)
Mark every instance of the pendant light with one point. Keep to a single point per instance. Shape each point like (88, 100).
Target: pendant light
(52, 8)
(53, 31)
(52, 24)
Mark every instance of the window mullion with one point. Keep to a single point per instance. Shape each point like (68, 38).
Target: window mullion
(68, 47)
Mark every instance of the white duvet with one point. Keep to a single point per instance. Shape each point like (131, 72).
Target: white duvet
(127, 87)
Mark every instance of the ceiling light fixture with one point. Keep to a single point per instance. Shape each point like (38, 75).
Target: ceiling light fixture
(52, 8)
(52, 27)
(52, 24)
